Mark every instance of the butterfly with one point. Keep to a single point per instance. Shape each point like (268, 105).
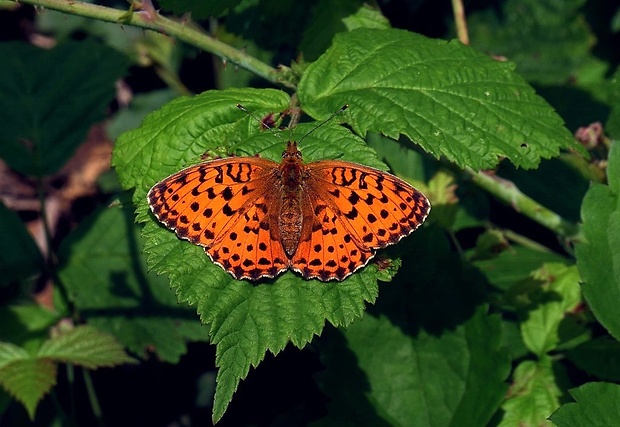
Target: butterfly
(257, 218)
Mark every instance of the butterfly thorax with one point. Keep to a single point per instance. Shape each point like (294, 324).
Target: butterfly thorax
(291, 216)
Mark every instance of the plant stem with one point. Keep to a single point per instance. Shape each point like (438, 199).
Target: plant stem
(460, 21)
(507, 192)
(524, 241)
(150, 19)
(92, 396)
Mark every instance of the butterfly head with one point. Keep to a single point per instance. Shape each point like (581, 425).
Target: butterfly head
(291, 151)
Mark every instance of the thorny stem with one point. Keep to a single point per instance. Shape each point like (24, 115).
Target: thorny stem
(507, 192)
(148, 18)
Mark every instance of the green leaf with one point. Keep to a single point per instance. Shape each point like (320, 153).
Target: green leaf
(596, 404)
(533, 395)
(180, 132)
(599, 357)
(26, 324)
(549, 40)
(598, 259)
(426, 353)
(446, 97)
(512, 339)
(403, 160)
(85, 346)
(489, 243)
(42, 125)
(382, 375)
(366, 17)
(10, 353)
(558, 293)
(20, 258)
(28, 380)
(515, 264)
(104, 271)
(245, 319)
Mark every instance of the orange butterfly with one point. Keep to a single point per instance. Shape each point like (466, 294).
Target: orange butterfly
(256, 218)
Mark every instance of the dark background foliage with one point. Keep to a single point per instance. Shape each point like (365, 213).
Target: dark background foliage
(479, 264)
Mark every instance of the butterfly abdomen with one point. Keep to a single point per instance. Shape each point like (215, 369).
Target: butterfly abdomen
(290, 222)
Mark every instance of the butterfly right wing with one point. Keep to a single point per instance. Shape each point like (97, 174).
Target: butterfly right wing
(226, 207)
(355, 210)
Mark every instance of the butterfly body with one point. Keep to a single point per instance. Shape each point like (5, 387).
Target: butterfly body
(257, 218)
(291, 179)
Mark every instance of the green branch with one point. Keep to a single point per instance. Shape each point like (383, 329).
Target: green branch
(510, 194)
(150, 19)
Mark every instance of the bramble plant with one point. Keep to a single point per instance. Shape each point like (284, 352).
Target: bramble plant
(500, 309)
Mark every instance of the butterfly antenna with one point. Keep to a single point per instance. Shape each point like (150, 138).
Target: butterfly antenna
(344, 107)
(261, 122)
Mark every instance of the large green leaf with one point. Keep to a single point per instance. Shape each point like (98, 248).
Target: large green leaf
(42, 124)
(448, 98)
(104, 271)
(245, 319)
(596, 404)
(384, 376)
(426, 354)
(598, 259)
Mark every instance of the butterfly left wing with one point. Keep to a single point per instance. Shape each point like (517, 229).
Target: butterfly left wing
(224, 205)
(357, 209)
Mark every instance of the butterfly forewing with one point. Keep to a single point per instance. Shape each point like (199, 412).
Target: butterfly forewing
(224, 205)
(376, 208)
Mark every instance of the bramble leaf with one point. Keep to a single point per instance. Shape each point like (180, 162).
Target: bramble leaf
(104, 271)
(42, 124)
(534, 394)
(596, 404)
(85, 346)
(244, 320)
(598, 259)
(448, 98)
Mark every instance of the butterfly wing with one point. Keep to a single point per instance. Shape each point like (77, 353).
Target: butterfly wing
(355, 210)
(227, 206)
